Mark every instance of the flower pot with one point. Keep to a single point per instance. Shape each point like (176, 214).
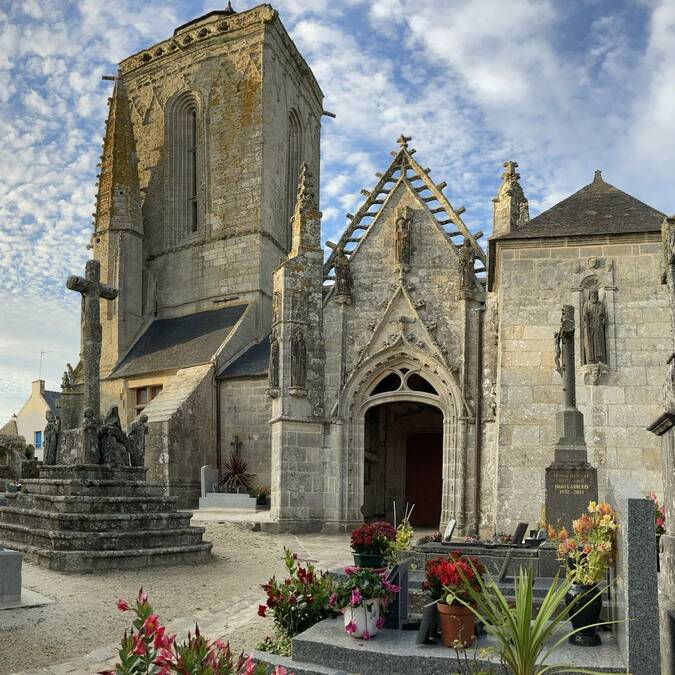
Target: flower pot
(371, 560)
(458, 624)
(361, 622)
(590, 614)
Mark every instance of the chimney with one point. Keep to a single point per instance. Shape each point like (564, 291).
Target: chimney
(37, 388)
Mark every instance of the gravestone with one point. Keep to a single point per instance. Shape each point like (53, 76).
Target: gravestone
(449, 529)
(519, 534)
(571, 482)
(10, 576)
(396, 615)
(209, 479)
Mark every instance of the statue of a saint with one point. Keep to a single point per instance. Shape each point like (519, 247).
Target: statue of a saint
(136, 435)
(343, 278)
(466, 257)
(273, 371)
(113, 441)
(403, 245)
(51, 437)
(298, 359)
(90, 440)
(594, 320)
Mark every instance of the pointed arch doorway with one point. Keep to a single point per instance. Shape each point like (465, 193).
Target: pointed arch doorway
(403, 461)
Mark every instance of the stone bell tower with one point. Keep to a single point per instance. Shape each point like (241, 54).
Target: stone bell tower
(204, 141)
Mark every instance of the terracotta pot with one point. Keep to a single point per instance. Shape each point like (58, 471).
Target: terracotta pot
(578, 596)
(458, 624)
(363, 618)
(370, 560)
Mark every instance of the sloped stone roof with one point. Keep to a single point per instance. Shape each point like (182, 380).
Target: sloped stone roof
(597, 209)
(53, 399)
(184, 341)
(254, 362)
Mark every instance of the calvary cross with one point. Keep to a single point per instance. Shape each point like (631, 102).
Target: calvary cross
(92, 290)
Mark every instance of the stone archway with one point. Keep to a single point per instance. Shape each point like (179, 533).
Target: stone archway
(373, 385)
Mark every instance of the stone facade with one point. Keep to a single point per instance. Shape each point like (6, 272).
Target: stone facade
(407, 364)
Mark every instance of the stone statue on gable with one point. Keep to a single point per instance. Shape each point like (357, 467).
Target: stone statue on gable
(594, 320)
(466, 258)
(403, 236)
(343, 278)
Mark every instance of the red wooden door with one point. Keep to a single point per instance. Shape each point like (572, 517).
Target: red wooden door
(424, 478)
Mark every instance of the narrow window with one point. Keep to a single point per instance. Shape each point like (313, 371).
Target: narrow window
(38, 439)
(292, 169)
(184, 152)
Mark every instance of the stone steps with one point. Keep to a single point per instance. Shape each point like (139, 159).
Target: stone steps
(95, 561)
(11, 533)
(84, 518)
(93, 522)
(85, 504)
(93, 488)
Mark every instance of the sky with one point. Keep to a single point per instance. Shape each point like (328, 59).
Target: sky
(563, 88)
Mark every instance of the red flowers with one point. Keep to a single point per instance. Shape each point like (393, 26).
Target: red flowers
(123, 605)
(373, 538)
(262, 610)
(451, 574)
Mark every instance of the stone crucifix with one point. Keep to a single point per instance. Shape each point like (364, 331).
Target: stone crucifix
(92, 291)
(564, 342)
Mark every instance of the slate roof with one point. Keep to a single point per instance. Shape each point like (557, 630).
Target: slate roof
(180, 342)
(53, 399)
(252, 363)
(597, 209)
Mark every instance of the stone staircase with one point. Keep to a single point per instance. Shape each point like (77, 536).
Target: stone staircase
(85, 518)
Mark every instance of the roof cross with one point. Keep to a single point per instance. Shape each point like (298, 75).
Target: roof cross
(402, 140)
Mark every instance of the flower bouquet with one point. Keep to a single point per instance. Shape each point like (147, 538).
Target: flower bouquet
(362, 597)
(446, 582)
(371, 542)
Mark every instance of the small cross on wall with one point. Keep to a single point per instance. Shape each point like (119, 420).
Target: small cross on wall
(236, 444)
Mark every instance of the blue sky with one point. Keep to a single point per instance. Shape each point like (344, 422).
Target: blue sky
(561, 87)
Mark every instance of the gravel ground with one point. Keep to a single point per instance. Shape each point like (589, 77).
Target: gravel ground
(84, 616)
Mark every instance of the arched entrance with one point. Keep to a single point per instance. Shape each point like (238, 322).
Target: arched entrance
(403, 461)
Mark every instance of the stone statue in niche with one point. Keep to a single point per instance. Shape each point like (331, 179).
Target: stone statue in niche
(51, 437)
(273, 371)
(276, 307)
(466, 258)
(403, 235)
(594, 321)
(343, 278)
(113, 441)
(298, 359)
(90, 439)
(136, 435)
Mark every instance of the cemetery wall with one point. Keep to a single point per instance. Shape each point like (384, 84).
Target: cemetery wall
(245, 411)
(533, 281)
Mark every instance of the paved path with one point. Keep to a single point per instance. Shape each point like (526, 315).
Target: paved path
(219, 621)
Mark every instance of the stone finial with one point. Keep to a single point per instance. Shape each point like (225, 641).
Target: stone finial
(597, 176)
(510, 206)
(229, 9)
(306, 221)
(403, 141)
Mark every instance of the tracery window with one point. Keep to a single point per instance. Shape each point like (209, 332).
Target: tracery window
(184, 157)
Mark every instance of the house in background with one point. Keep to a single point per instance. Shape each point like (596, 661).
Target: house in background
(30, 421)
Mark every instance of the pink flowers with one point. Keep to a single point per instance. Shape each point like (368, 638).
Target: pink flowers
(332, 600)
(351, 628)
(123, 605)
(380, 623)
(356, 599)
(366, 635)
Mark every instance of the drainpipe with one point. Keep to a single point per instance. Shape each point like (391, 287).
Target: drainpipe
(478, 409)
(216, 383)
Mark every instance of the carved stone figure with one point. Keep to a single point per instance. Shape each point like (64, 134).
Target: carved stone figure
(557, 352)
(136, 436)
(343, 278)
(466, 257)
(276, 307)
(273, 370)
(65, 381)
(594, 320)
(403, 243)
(51, 437)
(113, 441)
(90, 439)
(298, 359)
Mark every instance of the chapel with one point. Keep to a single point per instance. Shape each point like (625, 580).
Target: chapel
(403, 363)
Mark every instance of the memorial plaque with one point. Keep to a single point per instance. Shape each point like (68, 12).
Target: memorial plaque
(519, 534)
(568, 491)
(449, 529)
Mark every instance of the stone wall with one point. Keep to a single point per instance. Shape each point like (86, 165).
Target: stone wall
(181, 433)
(245, 412)
(532, 282)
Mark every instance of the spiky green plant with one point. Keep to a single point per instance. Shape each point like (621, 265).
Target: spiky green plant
(236, 477)
(526, 642)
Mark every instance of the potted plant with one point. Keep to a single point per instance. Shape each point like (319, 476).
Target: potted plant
(363, 597)
(588, 552)
(261, 494)
(236, 477)
(371, 543)
(446, 582)
(660, 524)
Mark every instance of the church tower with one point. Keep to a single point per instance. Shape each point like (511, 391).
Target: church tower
(205, 138)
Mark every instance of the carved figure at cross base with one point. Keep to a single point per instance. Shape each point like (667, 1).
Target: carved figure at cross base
(113, 442)
(51, 437)
(90, 443)
(136, 436)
